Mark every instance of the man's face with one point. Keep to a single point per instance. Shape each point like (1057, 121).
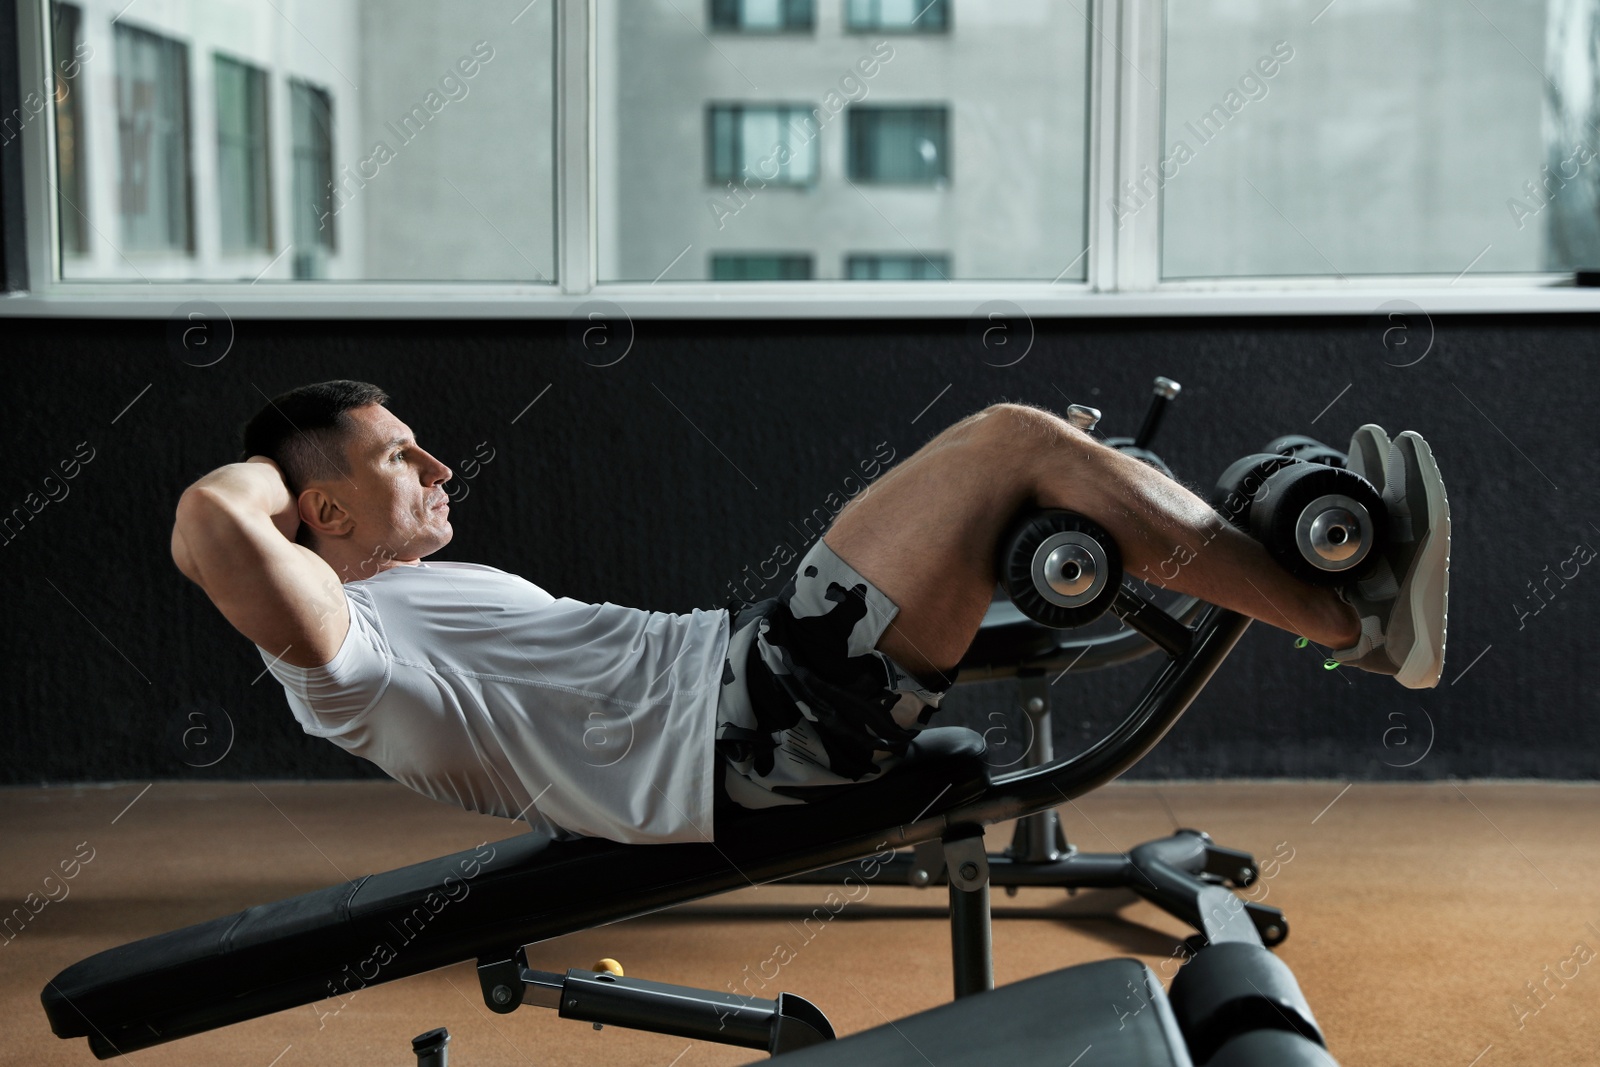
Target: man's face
(395, 496)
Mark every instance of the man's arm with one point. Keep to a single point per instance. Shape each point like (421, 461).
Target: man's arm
(233, 537)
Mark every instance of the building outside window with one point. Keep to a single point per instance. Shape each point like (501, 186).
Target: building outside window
(754, 16)
(933, 266)
(730, 267)
(71, 200)
(775, 145)
(897, 16)
(153, 134)
(242, 158)
(905, 145)
(311, 210)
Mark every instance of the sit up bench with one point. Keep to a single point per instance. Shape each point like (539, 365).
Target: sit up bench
(1233, 1004)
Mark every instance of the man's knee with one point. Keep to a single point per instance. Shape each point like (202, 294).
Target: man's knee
(1023, 425)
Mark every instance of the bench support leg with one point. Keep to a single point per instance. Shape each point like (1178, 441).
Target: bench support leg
(971, 940)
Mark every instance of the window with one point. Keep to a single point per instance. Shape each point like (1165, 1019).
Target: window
(906, 145)
(153, 137)
(71, 203)
(1305, 139)
(757, 15)
(242, 174)
(1210, 155)
(898, 16)
(312, 203)
(767, 145)
(843, 154)
(898, 268)
(760, 268)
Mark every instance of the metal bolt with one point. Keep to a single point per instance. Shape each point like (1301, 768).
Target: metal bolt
(1035, 704)
(1243, 876)
(572, 1002)
(969, 870)
(501, 994)
(1274, 932)
(920, 877)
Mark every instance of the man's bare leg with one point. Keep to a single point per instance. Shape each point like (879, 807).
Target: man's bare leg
(928, 531)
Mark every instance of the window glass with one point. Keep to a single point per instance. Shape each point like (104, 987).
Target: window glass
(242, 173)
(759, 15)
(153, 139)
(1303, 137)
(899, 144)
(730, 267)
(313, 210)
(67, 60)
(774, 143)
(969, 149)
(898, 16)
(270, 140)
(931, 266)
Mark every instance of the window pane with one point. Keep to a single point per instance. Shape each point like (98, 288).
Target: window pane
(930, 267)
(337, 139)
(66, 69)
(153, 128)
(1309, 138)
(726, 267)
(772, 143)
(898, 16)
(313, 208)
(242, 154)
(762, 15)
(898, 144)
(971, 147)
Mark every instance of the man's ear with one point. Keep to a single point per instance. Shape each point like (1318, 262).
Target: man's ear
(322, 514)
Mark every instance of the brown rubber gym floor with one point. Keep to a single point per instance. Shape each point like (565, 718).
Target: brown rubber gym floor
(1421, 915)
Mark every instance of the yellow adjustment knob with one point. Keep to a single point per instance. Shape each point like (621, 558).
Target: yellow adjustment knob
(610, 965)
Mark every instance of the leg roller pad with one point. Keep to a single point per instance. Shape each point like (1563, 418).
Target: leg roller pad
(1234, 988)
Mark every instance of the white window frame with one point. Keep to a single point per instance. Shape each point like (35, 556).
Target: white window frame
(1122, 266)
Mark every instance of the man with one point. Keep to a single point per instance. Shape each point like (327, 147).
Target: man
(476, 687)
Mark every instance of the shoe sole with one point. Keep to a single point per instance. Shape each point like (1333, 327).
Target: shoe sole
(1425, 590)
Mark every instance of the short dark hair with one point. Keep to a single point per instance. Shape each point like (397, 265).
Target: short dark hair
(304, 430)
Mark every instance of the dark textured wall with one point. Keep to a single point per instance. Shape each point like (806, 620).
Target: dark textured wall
(656, 481)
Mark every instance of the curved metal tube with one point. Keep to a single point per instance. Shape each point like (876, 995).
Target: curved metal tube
(1082, 654)
(1164, 700)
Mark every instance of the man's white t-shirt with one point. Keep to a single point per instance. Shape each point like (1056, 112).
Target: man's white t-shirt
(476, 687)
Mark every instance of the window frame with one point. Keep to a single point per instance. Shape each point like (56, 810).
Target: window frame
(1122, 266)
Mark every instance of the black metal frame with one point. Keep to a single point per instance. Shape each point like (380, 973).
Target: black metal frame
(1172, 872)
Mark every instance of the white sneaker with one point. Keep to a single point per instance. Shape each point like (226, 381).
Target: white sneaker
(1404, 601)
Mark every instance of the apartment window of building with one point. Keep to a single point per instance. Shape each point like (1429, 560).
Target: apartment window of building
(898, 268)
(905, 145)
(71, 184)
(774, 145)
(763, 16)
(897, 16)
(242, 168)
(153, 137)
(312, 206)
(728, 267)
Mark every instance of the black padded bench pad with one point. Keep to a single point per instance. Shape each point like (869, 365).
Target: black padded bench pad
(489, 900)
(1112, 1012)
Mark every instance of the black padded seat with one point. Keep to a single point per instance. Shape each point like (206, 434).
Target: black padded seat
(1112, 1012)
(486, 901)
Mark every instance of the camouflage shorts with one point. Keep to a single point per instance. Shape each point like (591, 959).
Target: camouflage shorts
(808, 706)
